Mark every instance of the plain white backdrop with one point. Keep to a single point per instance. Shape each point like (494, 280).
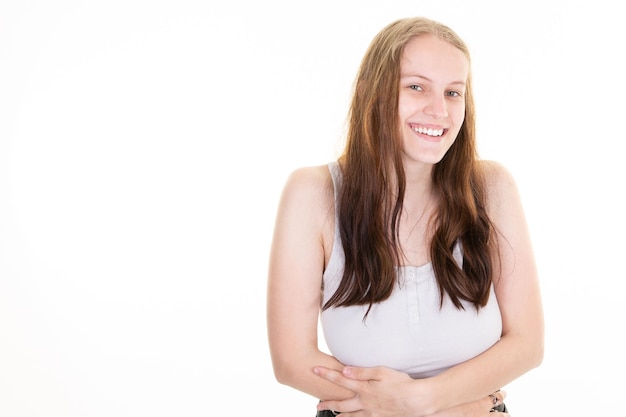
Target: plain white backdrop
(143, 148)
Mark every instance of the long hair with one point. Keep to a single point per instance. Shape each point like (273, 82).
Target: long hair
(371, 197)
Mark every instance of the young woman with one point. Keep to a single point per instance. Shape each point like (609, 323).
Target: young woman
(414, 251)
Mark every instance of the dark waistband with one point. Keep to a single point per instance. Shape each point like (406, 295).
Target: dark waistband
(329, 413)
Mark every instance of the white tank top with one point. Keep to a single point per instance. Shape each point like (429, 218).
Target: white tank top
(409, 331)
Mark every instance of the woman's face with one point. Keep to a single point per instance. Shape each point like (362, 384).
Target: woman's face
(433, 75)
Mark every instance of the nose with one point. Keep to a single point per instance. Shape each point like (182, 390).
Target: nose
(436, 106)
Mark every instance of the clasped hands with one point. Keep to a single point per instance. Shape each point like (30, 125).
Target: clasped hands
(384, 392)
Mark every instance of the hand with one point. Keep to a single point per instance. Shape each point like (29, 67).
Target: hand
(380, 392)
(383, 392)
(478, 408)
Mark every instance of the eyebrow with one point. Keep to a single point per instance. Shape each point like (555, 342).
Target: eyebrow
(429, 80)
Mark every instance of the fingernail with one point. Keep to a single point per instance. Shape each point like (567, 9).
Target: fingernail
(316, 371)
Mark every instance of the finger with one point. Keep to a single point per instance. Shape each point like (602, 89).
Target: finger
(495, 402)
(340, 406)
(501, 395)
(497, 398)
(336, 377)
(362, 374)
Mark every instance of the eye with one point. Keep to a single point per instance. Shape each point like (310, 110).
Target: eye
(453, 93)
(416, 87)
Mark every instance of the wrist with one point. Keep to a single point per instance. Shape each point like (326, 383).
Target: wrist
(424, 398)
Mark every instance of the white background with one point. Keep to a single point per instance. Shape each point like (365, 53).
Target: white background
(143, 147)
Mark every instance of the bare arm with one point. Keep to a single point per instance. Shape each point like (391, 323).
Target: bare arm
(296, 265)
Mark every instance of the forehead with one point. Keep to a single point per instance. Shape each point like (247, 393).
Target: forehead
(434, 58)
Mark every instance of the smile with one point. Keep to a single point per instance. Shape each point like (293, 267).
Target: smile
(428, 131)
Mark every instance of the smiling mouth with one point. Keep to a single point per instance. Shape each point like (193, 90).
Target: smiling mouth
(429, 131)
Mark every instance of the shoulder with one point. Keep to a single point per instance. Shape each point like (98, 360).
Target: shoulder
(304, 221)
(309, 182)
(308, 192)
(499, 181)
(496, 175)
(310, 175)
(503, 197)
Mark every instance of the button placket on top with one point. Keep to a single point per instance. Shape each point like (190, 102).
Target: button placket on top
(412, 297)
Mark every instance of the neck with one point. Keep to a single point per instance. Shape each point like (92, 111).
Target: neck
(418, 196)
(419, 182)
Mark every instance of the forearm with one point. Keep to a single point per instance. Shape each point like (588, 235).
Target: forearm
(505, 361)
(297, 372)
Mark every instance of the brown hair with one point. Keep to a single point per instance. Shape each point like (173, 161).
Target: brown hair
(373, 186)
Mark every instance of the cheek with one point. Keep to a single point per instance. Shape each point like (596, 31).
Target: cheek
(403, 108)
(457, 123)
(458, 115)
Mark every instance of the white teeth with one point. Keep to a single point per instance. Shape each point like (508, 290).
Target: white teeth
(429, 132)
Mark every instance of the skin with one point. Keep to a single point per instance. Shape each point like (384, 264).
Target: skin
(432, 88)
(431, 96)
